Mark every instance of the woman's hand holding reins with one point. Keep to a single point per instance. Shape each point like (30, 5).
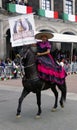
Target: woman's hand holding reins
(43, 53)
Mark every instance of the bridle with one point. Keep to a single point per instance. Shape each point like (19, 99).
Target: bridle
(29, 65)
(25, 57)
(25, 66)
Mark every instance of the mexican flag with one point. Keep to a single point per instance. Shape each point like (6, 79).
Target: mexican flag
(48, 13)
(16, 8)
(70, 17)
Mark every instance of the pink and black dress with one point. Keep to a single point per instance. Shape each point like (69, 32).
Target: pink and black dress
(47, 68)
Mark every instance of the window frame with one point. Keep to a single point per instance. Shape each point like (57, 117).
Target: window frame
(66, 8)
(45, 7)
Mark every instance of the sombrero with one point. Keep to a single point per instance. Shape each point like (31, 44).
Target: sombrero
(40, 34)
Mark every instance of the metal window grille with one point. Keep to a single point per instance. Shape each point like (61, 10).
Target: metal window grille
(46, 4)
(69, 6)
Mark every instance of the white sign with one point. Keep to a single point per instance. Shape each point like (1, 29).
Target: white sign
(22, 30)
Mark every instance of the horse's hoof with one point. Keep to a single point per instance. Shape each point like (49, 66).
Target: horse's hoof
(18, 116)
(37, 117)
(62, 106)
(53, 109)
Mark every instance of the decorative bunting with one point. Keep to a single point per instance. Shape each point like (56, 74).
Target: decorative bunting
(22, 9)
(48, 13)
(72, 18)
(76, 18)
(56, 15)
(11, 8)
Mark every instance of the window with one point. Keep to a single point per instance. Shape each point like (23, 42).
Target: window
(69, 6)
(46, 4)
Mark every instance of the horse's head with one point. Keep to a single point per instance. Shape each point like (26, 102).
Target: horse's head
(23, 54)
(27, 56)
(24, 51)
(28, 62)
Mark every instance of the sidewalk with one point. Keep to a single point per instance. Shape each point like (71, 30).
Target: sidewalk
(71, 82)
(12, 82)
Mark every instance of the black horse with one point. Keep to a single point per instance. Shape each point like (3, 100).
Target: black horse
(32, 83)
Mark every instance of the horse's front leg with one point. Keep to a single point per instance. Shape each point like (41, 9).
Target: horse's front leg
(23, 95)
(38, 96)
(53, 88)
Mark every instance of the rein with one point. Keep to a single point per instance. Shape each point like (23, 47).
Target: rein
(29, 65)
(33, 78)
(25, 68)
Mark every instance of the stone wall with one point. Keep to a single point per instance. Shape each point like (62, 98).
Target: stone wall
(4, 2)
(40, 24)
(76, 7)
(58, 6)
(34, 4)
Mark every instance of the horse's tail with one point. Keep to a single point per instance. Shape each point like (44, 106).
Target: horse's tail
(64, 91)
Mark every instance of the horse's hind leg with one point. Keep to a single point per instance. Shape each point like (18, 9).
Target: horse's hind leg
(38, 96)
(23, 95)
(53, 88)
(63, 94)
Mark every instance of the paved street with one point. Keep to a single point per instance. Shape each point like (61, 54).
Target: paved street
(63, 119)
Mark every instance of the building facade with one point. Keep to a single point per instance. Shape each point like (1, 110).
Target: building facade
(57, 16)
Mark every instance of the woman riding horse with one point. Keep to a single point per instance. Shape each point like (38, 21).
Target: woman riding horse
(32, 80)
(48, 69)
